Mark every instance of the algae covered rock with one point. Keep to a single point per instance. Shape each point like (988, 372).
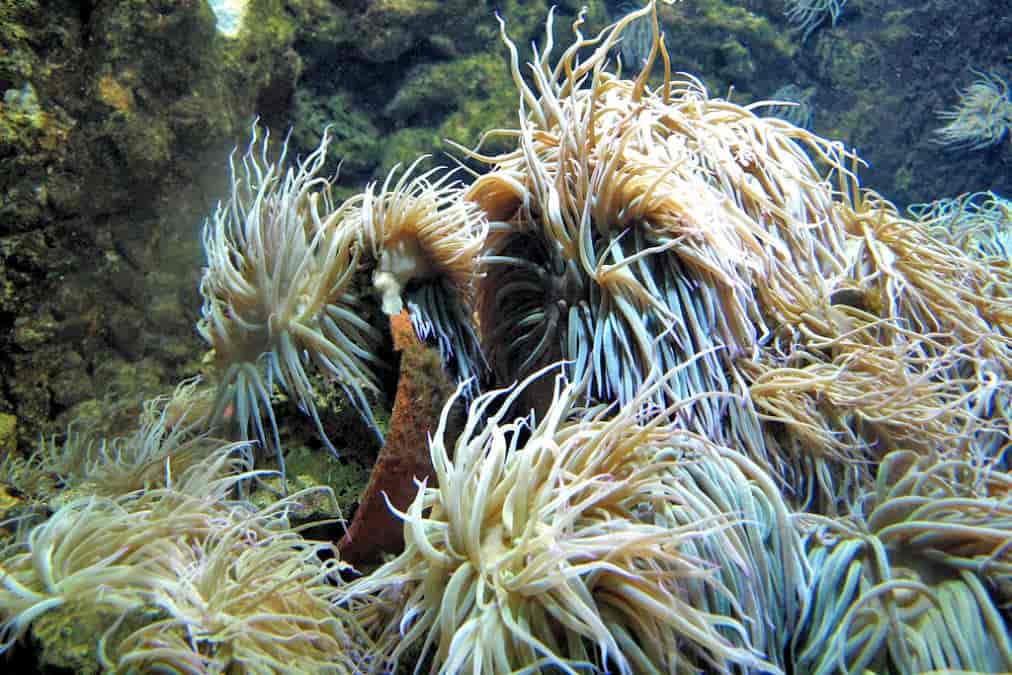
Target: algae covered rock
(114, 130)
(464, 97)
(356, 140)
(884, 73)
(33, 128)
(727, 44)
(8, 434)
(395, 78)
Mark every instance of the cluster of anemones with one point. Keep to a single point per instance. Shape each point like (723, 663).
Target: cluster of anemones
(774, 440)
(181, 577)
(286, 287)
(783, 414)
(586, 539)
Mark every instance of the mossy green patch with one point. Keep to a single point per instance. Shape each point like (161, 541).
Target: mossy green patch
(904, 180)
(8, 434)
(346, 476)
(462, 98)
(262, 60)
(69, 635)
(355, 142)
(847, 62)
(897, 26)
(727, 44)
(407, 145)
(390, 105)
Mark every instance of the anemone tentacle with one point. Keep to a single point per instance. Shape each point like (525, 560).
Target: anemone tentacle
(279, 294)
(423, 240)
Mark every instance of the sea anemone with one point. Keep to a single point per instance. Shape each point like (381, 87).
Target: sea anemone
(189, 579)
(636, 229)
(807, 15)
(585, 540)
(830, 418)
(171, 436)
(280, 297)
(919, 282)
(904, 585)
(979, 224)
(793, 104)
(983, 117)
(424, 240)
(638, 37)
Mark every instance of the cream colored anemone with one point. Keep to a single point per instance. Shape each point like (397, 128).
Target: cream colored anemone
(758, 574)
(636, 227)
(907, 348)
(172, 436)
(577, 542)
(830, 419)
(914, 583)
(279, 294)
(979, 224)
(181, 578)
(924, 284)
(805, 16)
(982, 118)
(424, 240)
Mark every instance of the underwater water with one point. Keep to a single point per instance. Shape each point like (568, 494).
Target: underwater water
(397, 335)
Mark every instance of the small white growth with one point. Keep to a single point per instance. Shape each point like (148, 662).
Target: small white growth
(229, 14)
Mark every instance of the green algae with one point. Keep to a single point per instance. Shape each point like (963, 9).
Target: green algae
(464, 97)
(8, 434)
(399, 79)
(728, 45)
(355, 140)
(306, 468)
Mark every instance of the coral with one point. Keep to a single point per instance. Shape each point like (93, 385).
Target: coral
(905, 348)
(982, 118)
(851, 328)
(923, 283)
